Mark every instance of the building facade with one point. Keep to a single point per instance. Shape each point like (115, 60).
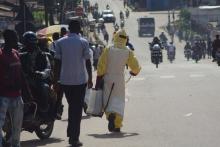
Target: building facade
(154, 5)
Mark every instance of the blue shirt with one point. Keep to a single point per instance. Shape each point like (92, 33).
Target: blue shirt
(73, 51)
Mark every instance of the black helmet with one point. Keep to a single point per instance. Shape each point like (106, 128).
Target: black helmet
(29, 38)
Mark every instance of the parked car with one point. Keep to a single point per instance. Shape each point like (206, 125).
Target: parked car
(108, 16)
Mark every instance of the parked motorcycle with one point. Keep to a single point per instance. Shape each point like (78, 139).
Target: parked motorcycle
(32, 120)
(156, 54)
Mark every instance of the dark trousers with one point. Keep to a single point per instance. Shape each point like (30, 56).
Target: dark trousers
(213, 53)
(75, 97)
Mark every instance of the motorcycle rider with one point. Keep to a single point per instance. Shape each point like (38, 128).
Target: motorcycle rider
(121, 14)
(156, 41)
(116, 27)
(163, 37)
(215, 47)
(171, 49)
(36, 67)
(122, 23)
(187, 47)
(127, 12)
(107, 6)
(197, 50)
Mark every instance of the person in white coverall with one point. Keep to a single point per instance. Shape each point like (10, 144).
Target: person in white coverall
(111, 66)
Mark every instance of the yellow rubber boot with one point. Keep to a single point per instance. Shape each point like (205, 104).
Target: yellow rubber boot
(115, 122)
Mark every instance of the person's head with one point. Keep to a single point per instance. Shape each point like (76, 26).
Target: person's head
(156, 39)
(11, 39)
(120, 39)
(217, 36)
(55, 36)
(171, 42)
(74, 26)
(30, 40)
(63, 31)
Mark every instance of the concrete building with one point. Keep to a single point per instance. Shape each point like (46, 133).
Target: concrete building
(153, 5)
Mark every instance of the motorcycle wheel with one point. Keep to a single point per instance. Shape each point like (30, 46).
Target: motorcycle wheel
(44, 131)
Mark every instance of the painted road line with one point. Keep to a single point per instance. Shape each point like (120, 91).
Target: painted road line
(188, 115)
(167, 77)
(196, 75)
(137, 79)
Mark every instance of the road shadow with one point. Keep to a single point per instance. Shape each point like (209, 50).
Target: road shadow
(83, 117)
(113, 135)
(38, 142)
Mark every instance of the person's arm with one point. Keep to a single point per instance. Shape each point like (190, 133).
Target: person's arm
(133, 64)
(101, 69)
(89, 71)
(57, 67)
(87, 56)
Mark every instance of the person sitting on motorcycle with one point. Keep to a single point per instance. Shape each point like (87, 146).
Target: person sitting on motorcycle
(121, 15)
(156, 40)
(116, 27)
(36, 67)
(187, 46)
(171, 49)
(122, 24)
(127, 12)
(163, 37)
(197, 50)
(107, 6)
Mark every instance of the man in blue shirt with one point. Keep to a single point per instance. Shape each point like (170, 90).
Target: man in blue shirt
(73, 72)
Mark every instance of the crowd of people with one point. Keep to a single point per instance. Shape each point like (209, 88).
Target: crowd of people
(36, 68)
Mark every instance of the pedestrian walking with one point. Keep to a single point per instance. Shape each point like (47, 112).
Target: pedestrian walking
(215, 47)
(106, 37)
(59, 105)
(96, 55)
(10, 87)
(63, 32)
(55, 37)
(73, 71)
(111, 65)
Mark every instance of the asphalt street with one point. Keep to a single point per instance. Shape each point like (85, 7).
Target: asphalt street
(176, 105)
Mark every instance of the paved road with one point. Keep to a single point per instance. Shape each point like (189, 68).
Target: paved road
(176, 105)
